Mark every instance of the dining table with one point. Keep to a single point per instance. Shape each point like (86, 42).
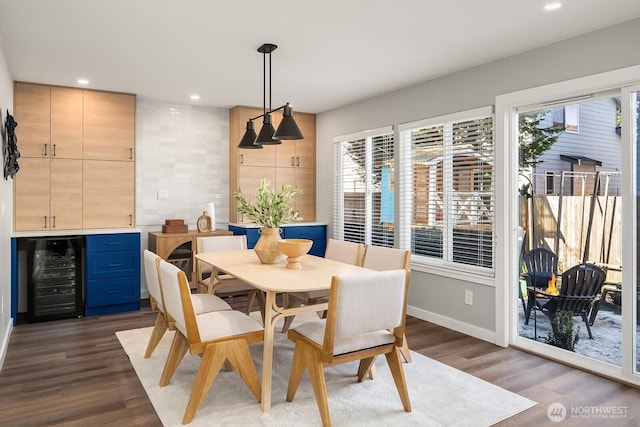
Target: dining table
(315, 274)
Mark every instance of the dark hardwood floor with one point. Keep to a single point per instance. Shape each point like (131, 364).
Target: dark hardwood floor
(74, 373)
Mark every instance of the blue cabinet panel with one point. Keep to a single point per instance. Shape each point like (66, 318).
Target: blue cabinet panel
(315, 232)
(113, 273)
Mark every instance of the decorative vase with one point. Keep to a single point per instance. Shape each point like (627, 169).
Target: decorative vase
(204, 223)
(267, 246)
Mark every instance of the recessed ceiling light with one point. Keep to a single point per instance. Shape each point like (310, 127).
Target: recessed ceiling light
(553, 5)
(83, 81)
(195, 97)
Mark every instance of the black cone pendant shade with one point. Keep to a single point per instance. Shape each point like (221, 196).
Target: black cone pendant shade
(265, 137)
(288, 128)
(249, 138)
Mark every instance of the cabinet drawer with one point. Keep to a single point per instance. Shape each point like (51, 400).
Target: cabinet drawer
(105, 265)
(305, 232)
(113, 242)
(113, 291)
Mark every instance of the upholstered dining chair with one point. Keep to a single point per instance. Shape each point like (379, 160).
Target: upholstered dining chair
(337, 250)
(382, 258)
(224, 284)
(216, 336)
(365, 318)
(202, 303)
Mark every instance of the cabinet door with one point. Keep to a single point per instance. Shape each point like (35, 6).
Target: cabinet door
(66, 123)
(108, 194)
(249, 180)
(31, 189)
(306, 202)
(305, 156)
(32, 112)
(109, 126)
(66, 194)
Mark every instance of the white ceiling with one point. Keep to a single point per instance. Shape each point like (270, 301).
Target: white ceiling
(330, 52)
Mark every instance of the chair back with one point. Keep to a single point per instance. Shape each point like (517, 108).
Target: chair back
(382, 258)
(347, 252)
(366, 303)
(151, 277)
(221, 243)
(541, 263)
(580, 285)
(175, 288)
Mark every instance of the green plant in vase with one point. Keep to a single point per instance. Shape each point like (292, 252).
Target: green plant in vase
(270, 210)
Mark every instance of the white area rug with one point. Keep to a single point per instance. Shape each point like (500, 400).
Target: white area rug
(440, 395)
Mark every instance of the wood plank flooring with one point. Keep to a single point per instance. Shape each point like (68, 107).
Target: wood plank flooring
(74, 373)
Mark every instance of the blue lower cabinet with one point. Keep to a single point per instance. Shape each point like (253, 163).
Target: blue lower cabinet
(315, 232)
(113, 273)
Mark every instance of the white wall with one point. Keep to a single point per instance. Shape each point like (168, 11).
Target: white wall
(184, 151)
(6, 217)
(432, 296)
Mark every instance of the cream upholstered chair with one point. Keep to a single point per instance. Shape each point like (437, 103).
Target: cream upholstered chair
(382, 258)
(223, 284)
(217, 336)
(365, 318)
(202, 303)
(337, 250)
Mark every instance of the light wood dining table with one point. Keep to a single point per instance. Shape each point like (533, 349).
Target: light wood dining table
(315, 274)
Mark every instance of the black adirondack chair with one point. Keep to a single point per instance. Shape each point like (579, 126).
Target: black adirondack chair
(541, 264)
(580, 286)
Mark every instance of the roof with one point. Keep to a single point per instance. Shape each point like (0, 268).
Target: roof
(580, 160)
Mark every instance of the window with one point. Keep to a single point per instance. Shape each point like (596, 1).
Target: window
(364, 187)
(550, 182)
(447, 199)
(566, 118)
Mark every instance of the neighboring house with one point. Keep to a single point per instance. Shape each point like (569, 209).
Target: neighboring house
(589, 143)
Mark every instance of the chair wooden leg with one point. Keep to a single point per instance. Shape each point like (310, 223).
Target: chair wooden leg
(316, 373)
(395, 365)
(365, 367)
(158, 331)
(404, 350)
(586, 322)
(240, 357)
(212, 359)
(251, 298)
(178, 349)
(261, 303)
(297, 370)
(289, 302)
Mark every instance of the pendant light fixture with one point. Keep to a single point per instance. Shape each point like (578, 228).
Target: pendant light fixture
(288, 128)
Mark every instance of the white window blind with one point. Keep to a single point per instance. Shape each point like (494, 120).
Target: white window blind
(447, 196)
(364, 187)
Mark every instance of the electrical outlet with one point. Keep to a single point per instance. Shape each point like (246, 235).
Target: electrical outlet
(163, 195)
(468, 297)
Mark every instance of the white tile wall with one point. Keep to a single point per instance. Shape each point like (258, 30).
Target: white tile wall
(182, 150)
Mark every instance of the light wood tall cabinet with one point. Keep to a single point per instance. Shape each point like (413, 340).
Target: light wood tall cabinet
(63, 183)
(292, 162)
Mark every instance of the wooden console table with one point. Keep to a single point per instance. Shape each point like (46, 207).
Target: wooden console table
(179, 248)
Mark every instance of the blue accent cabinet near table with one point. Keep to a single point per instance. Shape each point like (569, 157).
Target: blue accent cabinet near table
(113, 273)
(311, 231)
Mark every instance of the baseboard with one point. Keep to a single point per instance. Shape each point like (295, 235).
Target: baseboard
(4, 344)
(456, 325)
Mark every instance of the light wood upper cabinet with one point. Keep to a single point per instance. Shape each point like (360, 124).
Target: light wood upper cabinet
(32, 111)
(108, 194)
(292, 162)
(109, 126)
(32, 194)
(66, 123)
(66, 194)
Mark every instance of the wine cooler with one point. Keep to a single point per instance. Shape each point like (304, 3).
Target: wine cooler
(55, 278)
